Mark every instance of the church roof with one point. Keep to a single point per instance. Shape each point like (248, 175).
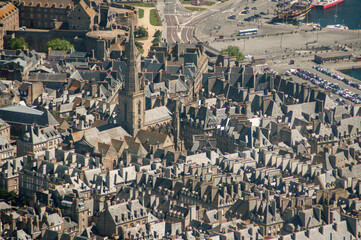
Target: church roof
(157, 115)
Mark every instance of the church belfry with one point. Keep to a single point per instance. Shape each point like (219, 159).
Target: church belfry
(132, 96)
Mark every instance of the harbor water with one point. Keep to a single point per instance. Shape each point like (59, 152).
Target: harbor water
(347, 13)
(355, 73)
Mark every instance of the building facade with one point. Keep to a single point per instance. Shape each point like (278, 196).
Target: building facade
(41, 14)
(9, 19)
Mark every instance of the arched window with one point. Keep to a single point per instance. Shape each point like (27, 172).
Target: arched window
(125, 111)
(139, 107)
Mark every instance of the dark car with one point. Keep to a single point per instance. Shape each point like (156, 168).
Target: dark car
(254, 8)
(232, 17)
(246, 8)
(263, 13)
(257, 16)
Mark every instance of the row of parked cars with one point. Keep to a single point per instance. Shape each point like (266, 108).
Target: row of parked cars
(270, 71)
(338, 77)
(323, 83)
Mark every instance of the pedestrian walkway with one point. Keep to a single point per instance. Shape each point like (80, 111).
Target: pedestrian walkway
(144, 22)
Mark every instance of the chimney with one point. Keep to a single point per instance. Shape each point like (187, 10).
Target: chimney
(44, 169)
(13, 223)
(164, 98)
(36, 130)
(273, 207)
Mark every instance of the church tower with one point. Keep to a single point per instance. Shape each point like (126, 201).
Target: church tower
(132, 96)
(176, 127)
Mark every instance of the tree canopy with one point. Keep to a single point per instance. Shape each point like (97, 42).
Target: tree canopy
(59, 44)
(157, 37)
(17, 43)
(139, 47)
(141, 32)
(234, 51)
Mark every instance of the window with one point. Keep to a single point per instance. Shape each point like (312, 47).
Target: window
(125, 111)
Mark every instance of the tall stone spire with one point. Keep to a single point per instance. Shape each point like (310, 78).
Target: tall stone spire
(132, 79)
(176, 127)
(131, 100)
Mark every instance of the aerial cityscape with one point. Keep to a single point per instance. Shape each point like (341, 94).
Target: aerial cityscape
(180, 119)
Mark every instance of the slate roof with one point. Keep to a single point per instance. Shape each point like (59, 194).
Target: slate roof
(151, 138)
(95, 135)
(27, 116)
(54, 219)
(123, 209)
(156, 115)
(40, 76)
(4, 206)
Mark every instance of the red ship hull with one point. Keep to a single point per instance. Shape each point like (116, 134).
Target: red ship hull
(332, 4)
(328, 5)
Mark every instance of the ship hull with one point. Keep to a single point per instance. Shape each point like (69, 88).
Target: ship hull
(293, 16)
(328, 5)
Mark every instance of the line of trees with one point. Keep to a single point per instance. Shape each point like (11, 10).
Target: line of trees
(55, 44)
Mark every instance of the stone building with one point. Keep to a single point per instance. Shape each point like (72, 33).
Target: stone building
(41, 14)
(8, 98)
(9, 19)
(36, 139)
(4, 130)
(82, 17)
(120, 219)
(9, 175)
(6, 149)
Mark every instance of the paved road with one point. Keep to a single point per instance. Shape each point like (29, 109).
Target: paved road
(172, 27)
(184, 32)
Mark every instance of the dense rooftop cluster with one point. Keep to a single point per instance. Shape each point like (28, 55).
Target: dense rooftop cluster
(109, 144)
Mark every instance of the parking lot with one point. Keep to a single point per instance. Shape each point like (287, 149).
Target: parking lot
(342, 88)
(222, 30)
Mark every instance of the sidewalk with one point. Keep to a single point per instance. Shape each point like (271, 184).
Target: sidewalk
(144, 22)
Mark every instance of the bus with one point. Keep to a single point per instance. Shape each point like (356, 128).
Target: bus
(247, 32)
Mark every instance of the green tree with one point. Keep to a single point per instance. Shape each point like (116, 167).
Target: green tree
(156, 41)
(12, 198)
(141, 32)
(59, 44)
(157, 37)
(17, 43)
(139, 47)
(234, 51)
(158, 33)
